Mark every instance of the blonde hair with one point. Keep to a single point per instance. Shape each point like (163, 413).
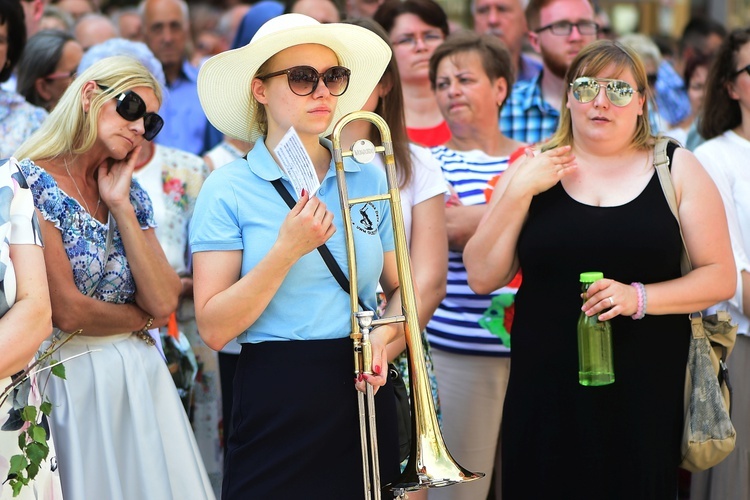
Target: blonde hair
(68, 129)
(590, 61)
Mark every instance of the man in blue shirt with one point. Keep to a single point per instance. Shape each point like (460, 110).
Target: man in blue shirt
(559, 29)
(165, 27)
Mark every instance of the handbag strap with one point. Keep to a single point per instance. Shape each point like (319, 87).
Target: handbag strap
(333, 266)
(663, 153)
(108, 249)
(110, 235)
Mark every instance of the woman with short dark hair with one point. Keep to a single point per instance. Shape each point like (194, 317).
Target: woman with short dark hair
(416, 28)
(472, 76)
(47, 66)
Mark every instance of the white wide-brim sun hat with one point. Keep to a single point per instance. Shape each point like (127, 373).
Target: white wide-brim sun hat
(224, 81)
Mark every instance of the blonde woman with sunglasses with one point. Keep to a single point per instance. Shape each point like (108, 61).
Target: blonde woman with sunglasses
(120, 427)
(259, 278)
(590, 200)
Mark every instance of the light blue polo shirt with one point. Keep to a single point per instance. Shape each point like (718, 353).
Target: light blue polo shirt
(239, 209)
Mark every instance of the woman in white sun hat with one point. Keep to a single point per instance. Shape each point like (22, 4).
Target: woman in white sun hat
(259, 278)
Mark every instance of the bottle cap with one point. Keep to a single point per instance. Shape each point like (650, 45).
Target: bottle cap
(592, 276)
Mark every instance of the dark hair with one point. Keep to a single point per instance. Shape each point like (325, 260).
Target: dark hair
(697, 30)
(720, 112)
(39, 59)
(429, 11)
(492, 51)
(391, 108)
(694, 62)
(11, 15)
(666, 44)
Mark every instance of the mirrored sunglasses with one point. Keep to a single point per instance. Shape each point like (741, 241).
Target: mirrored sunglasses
(585, 89)
(303, 80)
(132, 107)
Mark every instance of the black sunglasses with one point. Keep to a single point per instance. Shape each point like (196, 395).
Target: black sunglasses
(132, 107)
(303, 80)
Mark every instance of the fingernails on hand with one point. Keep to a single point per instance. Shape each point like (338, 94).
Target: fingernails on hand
(376, 369)
(304, 192)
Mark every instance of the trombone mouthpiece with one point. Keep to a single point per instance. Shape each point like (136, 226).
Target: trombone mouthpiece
(364, 318)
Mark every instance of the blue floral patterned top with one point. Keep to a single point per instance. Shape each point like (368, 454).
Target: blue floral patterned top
(18, 120)
(85, 238)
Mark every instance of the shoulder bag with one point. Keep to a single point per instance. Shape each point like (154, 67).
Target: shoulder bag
(708, 434)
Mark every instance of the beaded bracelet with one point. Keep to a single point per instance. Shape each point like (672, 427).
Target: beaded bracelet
(642, 300)
(144, 335)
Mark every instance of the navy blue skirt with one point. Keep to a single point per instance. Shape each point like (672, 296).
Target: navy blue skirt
(295, 425)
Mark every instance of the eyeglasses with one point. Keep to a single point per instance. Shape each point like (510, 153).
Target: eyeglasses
(619, 93)
(61, 75)
(303, 80)
(565, 28)
(132, 107)
(410, 40)
(745, 69)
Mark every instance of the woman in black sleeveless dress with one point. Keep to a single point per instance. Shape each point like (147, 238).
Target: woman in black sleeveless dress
(592, 202)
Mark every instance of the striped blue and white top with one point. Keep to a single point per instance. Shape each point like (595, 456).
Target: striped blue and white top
(465, 322)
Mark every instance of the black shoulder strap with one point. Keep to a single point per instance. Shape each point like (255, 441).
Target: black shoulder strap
(671, 148)
(333, 266)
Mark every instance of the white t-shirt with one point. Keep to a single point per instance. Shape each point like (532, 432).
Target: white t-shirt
(725, 159)
(426, 182)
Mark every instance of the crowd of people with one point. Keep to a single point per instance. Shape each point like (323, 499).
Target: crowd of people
(172, 322)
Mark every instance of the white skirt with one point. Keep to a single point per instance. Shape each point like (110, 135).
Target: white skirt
(120, 429)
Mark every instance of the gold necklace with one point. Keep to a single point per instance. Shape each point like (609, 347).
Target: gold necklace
(98, 202)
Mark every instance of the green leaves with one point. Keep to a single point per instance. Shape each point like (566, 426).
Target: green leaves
(38, 434)
(29, 420)
(18, 463)
(37, 452)
(46, 408)
(29, 413)
(58, 369)
(32, 443)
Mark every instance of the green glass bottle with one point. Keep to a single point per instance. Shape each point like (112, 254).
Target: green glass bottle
(595, 366)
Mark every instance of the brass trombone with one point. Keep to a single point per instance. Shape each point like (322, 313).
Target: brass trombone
(430, 463)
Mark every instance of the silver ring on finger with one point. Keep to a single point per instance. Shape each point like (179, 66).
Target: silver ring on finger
(611, 302)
